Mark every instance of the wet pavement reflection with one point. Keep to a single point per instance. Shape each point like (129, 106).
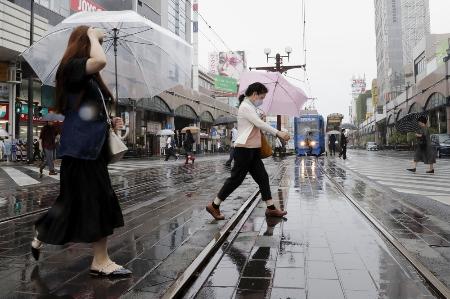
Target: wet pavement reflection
(166, 227)
(324, 248)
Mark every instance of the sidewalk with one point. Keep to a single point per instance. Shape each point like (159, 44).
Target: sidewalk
(324, 249)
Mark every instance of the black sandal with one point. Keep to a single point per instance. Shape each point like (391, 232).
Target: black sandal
(120, 272)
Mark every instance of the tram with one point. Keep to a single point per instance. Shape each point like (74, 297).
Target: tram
(309, 135)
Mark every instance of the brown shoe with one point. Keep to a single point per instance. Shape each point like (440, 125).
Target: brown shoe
(52, 173)
(275, 213)
(214, 212)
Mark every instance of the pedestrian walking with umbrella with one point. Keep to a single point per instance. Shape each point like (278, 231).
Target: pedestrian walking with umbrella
(247, 154)
(424, 151)
(87, 209)
(188, 145)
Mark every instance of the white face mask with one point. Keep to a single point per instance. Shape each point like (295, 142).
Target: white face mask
(258, 103)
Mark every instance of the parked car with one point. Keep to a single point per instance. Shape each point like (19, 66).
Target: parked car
(371, 146)
(441, 142)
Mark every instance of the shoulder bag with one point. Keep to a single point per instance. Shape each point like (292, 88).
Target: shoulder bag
(117, 148)
(266, 149)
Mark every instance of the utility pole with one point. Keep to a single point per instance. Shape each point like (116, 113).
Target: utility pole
(30, 94)
(280, 68)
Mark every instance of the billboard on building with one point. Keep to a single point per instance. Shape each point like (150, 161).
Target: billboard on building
(227, 64)
(358, 86)
(99, 5)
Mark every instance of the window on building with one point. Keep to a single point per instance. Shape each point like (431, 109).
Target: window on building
(420, 65)
(436, 100)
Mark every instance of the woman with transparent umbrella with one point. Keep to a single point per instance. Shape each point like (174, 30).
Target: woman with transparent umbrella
(87, 209)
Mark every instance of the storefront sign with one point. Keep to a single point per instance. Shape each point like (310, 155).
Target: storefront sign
(153, 127)
(85, 5)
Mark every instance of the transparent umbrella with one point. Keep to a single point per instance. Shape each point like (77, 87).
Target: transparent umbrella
(3, 133)
(144, 59)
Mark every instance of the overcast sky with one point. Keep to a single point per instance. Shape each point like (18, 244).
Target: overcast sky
(340, 39)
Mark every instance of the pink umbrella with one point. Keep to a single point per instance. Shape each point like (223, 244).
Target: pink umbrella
(283, 98)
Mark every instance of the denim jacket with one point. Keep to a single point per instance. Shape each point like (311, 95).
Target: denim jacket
(83, 136)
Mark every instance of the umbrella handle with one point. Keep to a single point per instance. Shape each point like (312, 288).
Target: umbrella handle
(119, 133)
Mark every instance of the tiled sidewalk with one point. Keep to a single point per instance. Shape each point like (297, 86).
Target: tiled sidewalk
(324, 249)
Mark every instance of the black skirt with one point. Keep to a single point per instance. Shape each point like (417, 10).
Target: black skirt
(87, 209)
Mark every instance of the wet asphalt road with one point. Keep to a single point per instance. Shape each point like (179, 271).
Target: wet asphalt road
(166, 228)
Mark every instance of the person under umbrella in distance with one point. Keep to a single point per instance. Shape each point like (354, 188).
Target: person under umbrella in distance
(247, 155)
(170, 148)
(424, 150)
(188, 147)
(343, 144)
(234, 134)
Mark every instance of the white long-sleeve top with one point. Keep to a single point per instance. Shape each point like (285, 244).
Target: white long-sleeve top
(250, 126)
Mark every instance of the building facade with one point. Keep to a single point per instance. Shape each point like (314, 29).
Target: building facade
(429, 91)
(173, 109)
(399, 27)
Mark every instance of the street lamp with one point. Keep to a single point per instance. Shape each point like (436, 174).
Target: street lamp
(278, 58)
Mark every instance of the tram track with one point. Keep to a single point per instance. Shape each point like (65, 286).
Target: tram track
(433, 282)
(193, 278)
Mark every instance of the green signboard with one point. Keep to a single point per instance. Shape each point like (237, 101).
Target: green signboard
(225, 84)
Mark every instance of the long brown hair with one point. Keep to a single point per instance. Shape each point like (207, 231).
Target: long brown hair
(79, 46)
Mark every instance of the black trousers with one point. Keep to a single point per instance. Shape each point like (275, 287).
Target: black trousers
(246, 160)
(343, 153)
(170, 152)
(231, 156)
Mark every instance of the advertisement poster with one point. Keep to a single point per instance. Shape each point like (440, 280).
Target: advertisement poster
(227, 64)
(4, 112)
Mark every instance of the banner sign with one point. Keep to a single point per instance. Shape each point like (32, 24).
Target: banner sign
(85, 5)
(225, 84)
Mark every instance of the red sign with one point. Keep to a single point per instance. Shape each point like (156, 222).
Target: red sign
(85, 5)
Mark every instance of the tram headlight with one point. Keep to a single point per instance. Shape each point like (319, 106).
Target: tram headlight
(313, 143)
(302, 143)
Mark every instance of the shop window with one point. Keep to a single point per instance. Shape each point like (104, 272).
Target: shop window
(206, 117)
(186, 111)
(155, 104)
(436, 100)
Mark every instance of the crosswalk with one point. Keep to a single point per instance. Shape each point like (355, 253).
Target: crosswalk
(391, 172)
(23, 175)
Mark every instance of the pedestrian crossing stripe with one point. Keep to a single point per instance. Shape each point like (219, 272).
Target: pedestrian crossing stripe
(19, 177)
(429, 182)
(45, 172)
(414, 186)
(391, 173)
